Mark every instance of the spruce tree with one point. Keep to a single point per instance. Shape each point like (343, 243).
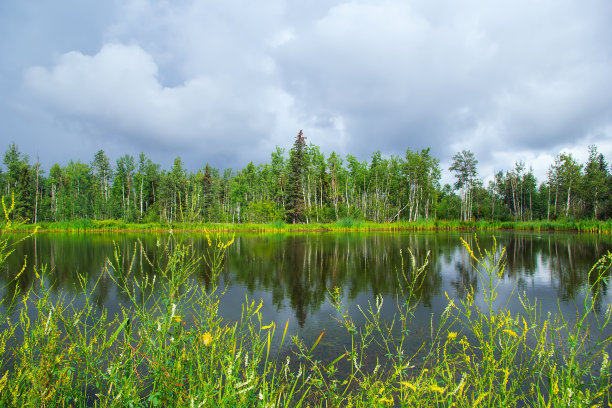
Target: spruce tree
(295, 208)
(208, 194)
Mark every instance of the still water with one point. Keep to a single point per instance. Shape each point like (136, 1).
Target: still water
(292, 274)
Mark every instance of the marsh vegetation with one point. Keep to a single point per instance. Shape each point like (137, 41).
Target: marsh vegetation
(169, 342)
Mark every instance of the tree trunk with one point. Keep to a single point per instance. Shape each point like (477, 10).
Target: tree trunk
(548, 206)
(569, 194)
(36, 200)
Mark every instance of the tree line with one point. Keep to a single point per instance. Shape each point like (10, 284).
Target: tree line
(303, 185)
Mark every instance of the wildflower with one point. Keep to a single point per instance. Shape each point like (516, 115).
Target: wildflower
(604, 364)
(461, 384)
(271, 325)
(261, 396)
(178, 319)
(406, 384)
(437, 389)
(206, 339)
(555, 387)
(451, 302)
(208, 237)
(510, 332)
(452, 335)
(242, 391)
(47, 329)
(258, 307)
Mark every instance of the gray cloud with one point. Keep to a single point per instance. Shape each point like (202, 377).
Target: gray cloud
(226, 82)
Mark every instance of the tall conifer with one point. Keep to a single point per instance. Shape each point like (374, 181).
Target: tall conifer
(296, 209)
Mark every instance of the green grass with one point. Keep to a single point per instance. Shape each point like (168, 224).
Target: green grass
(342, 225)
(170, 348)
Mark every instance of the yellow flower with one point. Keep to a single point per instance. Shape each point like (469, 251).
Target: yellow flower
(177, 318)
(271, 325)
(437, 389)
(510, 332)
(452, 335)
(206, 339)
(406, 384)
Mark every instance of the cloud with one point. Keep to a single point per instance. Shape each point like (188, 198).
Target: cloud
(226, 82)
(119, 90)
(515, 76)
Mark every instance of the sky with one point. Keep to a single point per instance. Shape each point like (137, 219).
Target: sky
(224, 82)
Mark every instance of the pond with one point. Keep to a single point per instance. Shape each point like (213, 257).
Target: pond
(293, 273)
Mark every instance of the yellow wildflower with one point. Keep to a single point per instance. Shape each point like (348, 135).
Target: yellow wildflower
(271, 325)
(406, 384)
(258, 307)
(206, 339)
(452, 335)
(177, 318)
(437, 389)
(510, 332)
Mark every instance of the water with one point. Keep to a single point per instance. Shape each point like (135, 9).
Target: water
(293, 273)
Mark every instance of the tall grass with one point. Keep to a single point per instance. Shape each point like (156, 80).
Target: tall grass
(343, 224)
(168, 347)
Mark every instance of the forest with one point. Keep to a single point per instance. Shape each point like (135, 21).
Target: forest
(303, 185)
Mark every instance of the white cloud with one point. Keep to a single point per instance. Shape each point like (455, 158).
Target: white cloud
(509, 80)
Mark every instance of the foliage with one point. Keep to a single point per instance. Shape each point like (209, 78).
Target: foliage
(304, 185)
(169, 347)
(295, 207)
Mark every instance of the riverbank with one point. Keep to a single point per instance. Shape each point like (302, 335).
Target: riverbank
(342, 225)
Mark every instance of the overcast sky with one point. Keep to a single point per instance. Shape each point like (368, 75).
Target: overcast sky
(226, 81)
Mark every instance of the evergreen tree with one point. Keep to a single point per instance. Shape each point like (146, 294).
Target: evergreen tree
(207, 191)
(20, 181)
(295, 206)
(594, 189)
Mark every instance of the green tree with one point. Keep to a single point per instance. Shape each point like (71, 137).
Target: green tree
(123, 187)
(103, 175)
(78, 192)
(464, 166)
(295, 206)
(569, 173)
(20, 181)
(594, 189)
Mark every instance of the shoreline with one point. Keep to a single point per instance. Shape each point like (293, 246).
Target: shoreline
(93, 226)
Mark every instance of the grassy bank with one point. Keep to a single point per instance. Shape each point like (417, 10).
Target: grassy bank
(343, 225)
(170, 348)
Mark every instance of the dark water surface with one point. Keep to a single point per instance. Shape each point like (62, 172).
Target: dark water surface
(293, 273)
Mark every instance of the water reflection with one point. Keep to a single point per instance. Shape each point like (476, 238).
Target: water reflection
(295, 272)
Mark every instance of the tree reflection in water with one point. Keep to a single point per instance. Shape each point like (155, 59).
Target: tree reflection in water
(297, 270)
